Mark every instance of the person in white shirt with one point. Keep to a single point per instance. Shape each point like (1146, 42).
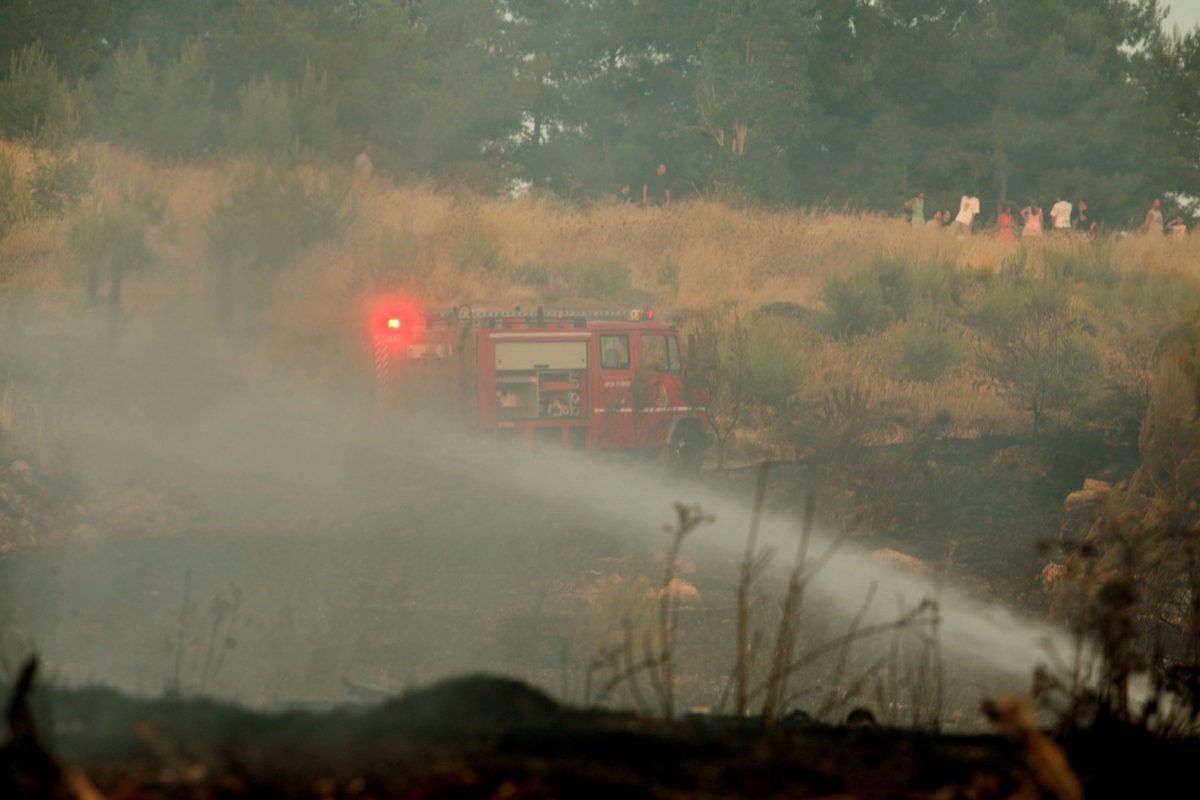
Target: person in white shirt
(363, 168)
(1060, 216)
(968, 207)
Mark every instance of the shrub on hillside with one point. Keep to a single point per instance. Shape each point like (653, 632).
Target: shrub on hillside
(750, 370)
(928, 347)
(477, 253)
(531, 275)
(776, 366)
(940, 285)
(261, 227)
(1035, 352)
(832, 415)
(107, 244)
(36, 104)
(667, 275)
(1136, 316)
(271, 216)
(602, 280)
(896, 279)
(855, 305)
(59, 182)
(883, 291)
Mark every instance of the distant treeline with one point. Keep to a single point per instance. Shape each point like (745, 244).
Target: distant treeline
(849, 103)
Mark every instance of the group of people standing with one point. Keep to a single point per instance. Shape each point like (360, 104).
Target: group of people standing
(1064, 217)
(968, 210)
(656, 190)
(1154, 222)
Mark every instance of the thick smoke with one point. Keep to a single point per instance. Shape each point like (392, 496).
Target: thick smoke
(249, 524)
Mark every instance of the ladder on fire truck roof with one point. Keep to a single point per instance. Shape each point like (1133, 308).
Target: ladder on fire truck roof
(465, 313)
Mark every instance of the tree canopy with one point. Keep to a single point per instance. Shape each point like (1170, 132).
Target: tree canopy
(850, 103)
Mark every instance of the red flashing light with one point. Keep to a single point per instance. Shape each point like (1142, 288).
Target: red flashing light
(649, 313)
(393, 318)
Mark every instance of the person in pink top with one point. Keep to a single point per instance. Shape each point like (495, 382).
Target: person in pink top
(1032, 216)
(1006, 228)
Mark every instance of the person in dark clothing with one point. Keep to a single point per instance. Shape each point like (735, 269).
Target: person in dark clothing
(657, 190)
(1087, 221)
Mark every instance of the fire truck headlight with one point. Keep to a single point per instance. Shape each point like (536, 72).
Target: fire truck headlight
(393, 323)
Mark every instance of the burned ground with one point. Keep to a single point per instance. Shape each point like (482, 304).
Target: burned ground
(488, 737)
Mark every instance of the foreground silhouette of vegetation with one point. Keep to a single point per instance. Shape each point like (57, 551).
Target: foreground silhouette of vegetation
(479, 737)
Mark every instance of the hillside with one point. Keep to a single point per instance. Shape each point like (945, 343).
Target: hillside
(308, 284)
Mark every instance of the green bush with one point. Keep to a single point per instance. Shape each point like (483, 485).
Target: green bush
(477, 253)
(941, 286)
(775, 367)
(855, 305)
(667, 275)
(1035, 352)
(883, 291)
(1014, 304)
(106, 245)
(895, 278)
(60, 182)
(269, 218)
(263, 225)
(36, 104)
(928, 348)
(531, 275)
(750, 369)
(263, 120)
(602, 280)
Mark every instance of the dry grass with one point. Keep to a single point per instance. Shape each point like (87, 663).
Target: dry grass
(743, 257)
(22, 158)
(33, 255)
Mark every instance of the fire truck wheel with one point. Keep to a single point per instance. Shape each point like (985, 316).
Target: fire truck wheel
(686, 449)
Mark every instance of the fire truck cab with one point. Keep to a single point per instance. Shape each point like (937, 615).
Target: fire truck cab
(585, 379)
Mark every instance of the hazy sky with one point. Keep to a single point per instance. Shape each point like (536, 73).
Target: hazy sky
(1184, 13)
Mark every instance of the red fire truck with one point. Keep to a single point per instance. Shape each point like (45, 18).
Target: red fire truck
(582, 379)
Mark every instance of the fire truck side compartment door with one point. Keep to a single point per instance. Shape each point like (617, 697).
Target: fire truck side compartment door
(540, 355)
